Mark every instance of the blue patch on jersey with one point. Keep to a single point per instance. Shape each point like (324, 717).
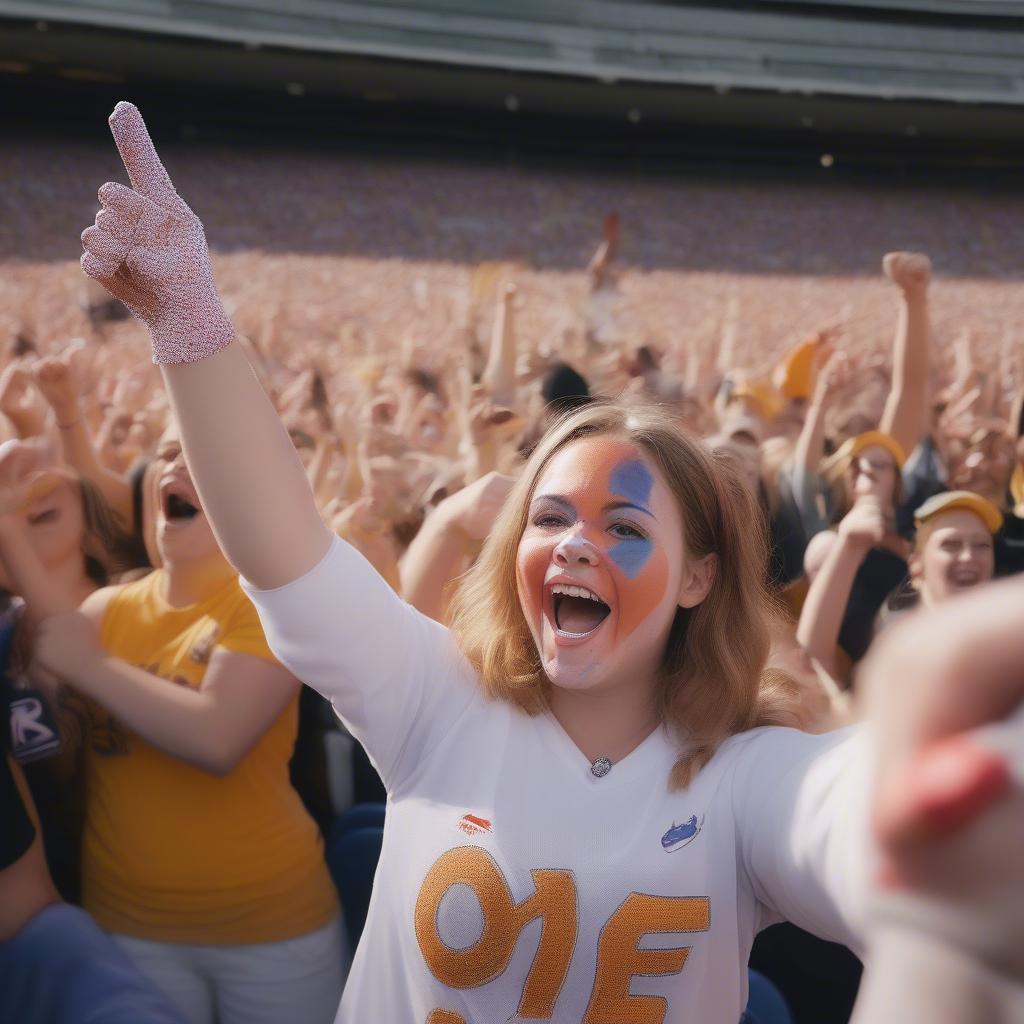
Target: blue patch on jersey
(680, 835)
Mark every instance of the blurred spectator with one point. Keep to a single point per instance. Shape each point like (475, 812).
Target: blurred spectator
(235, 919)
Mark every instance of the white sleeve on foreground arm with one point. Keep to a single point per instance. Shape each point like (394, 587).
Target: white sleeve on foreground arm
(802, 807)
(394, 676)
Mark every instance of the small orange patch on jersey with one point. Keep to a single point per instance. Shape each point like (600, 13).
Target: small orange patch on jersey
(473, 825)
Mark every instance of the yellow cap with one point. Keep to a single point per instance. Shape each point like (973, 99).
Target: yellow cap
(761, 396)
(853, 446)
(981, 507)
(1017, 484)
(794, 376)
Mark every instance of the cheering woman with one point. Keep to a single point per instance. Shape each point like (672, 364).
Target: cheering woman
(584, 822)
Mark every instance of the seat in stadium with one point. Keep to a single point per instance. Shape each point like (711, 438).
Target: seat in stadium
(765, 1004)
(353, 850)
(359, 816)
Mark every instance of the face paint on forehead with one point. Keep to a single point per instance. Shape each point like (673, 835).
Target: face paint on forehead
(632, 480)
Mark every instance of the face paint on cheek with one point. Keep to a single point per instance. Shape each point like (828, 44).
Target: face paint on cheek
(632, 480)
(631, 555)
(640, 597)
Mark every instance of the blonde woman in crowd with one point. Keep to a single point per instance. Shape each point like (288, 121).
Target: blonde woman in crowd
(198, 856)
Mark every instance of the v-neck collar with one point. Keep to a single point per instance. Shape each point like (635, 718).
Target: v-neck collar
(636, 763)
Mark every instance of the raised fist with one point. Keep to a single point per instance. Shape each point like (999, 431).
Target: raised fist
(864, 525)
(148, 249)
(474, 509)
(27, 474)
(54, 379)
(16, 390)
(910, 271)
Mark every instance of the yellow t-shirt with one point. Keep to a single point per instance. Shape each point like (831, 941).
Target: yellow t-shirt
(175, 854)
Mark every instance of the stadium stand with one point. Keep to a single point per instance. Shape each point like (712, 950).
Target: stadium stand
(936, 63)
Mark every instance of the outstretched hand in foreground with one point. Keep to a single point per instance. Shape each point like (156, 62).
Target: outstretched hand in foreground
(945, 691)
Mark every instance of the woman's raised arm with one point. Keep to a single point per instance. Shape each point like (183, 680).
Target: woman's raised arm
(250, 480)
(148, 249)
(821, 618)
(906, 408)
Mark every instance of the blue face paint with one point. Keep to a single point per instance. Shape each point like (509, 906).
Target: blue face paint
(631, 554)
(633, 481)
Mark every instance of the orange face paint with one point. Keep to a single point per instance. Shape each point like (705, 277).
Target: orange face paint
(602, 520)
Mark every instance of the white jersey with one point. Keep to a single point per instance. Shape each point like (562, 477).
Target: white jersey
(514, 884)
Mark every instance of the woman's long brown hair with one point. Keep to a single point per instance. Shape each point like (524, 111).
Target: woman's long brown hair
(105, 540)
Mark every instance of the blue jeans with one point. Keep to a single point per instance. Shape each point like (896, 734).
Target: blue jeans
(765, 1004)
(61, 968)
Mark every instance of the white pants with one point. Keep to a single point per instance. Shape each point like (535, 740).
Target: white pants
(298, 980)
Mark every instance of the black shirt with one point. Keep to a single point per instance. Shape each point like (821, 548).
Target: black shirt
(16, 829)
(879, 574)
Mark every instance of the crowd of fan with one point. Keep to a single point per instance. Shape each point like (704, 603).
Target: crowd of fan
(860, 457)
(407, 430)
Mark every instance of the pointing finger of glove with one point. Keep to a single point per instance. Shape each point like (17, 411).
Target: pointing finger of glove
(115, 196)
(147, 173)
(105, 246)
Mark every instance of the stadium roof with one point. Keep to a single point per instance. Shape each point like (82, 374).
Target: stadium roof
(952, 51)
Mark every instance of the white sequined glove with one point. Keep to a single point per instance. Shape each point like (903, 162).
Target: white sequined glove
(148, 249)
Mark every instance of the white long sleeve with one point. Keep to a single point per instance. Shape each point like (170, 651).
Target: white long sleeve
(394, 676)
(802, 810)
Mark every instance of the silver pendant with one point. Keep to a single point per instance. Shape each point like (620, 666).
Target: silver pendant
(601, 767)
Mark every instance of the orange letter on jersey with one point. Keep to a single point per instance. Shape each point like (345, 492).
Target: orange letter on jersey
(619, 957)
(554, 902)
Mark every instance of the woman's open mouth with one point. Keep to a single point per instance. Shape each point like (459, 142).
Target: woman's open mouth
(576, 612)
(177, 505)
